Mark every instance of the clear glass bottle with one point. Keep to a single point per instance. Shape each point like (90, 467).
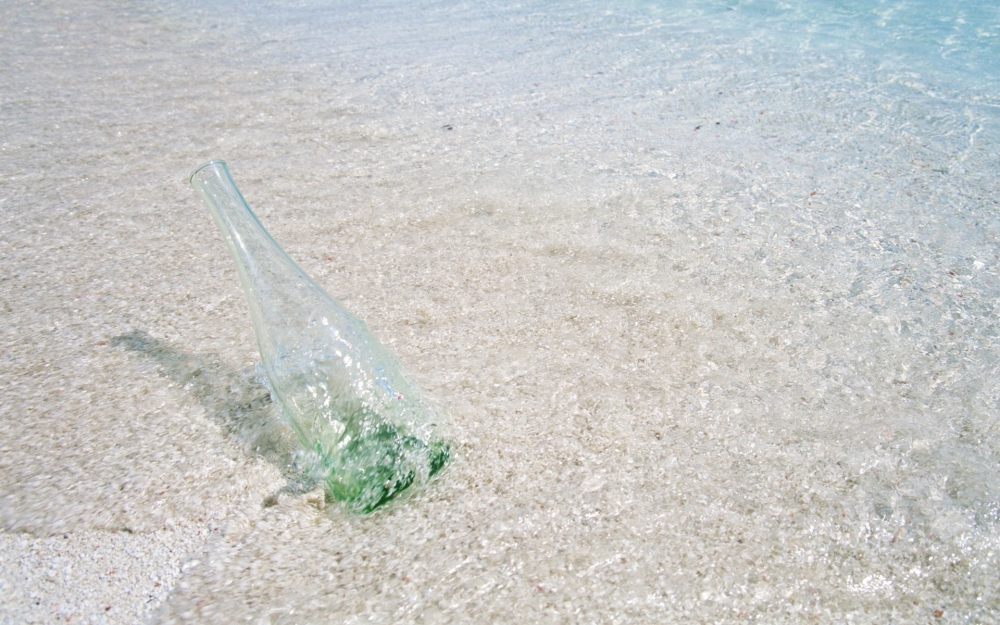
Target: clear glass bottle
(343, 393)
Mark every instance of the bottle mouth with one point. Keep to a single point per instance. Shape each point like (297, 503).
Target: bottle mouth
(205, 166)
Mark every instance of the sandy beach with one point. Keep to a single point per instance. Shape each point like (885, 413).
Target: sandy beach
(707, 295)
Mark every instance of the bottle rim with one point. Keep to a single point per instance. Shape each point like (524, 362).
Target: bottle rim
(208, 164)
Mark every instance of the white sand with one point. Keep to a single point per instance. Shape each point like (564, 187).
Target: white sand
(712, 317)
(106, 576)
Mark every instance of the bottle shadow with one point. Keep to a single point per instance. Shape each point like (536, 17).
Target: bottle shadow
(238, 402)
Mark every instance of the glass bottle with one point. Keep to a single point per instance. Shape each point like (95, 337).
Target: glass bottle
(340, 390)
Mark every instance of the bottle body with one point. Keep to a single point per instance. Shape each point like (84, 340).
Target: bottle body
(343, 393)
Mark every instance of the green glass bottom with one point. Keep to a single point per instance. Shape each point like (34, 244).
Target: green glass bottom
(378, 465)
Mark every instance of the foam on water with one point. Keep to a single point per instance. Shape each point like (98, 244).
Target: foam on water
(708, 292)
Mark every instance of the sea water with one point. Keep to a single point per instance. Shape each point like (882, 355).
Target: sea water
(707, 290)
(715, 284)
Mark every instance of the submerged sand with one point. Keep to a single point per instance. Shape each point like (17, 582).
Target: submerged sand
(712, 321)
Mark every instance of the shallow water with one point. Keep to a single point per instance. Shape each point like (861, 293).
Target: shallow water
(707, 292)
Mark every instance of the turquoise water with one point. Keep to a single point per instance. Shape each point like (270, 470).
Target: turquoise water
(955, 40)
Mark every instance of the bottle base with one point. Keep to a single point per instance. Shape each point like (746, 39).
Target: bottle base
(376, 467)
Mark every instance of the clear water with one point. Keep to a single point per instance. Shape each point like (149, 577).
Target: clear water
(708, 291)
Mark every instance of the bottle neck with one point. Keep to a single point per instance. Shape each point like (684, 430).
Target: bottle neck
(275, 287)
